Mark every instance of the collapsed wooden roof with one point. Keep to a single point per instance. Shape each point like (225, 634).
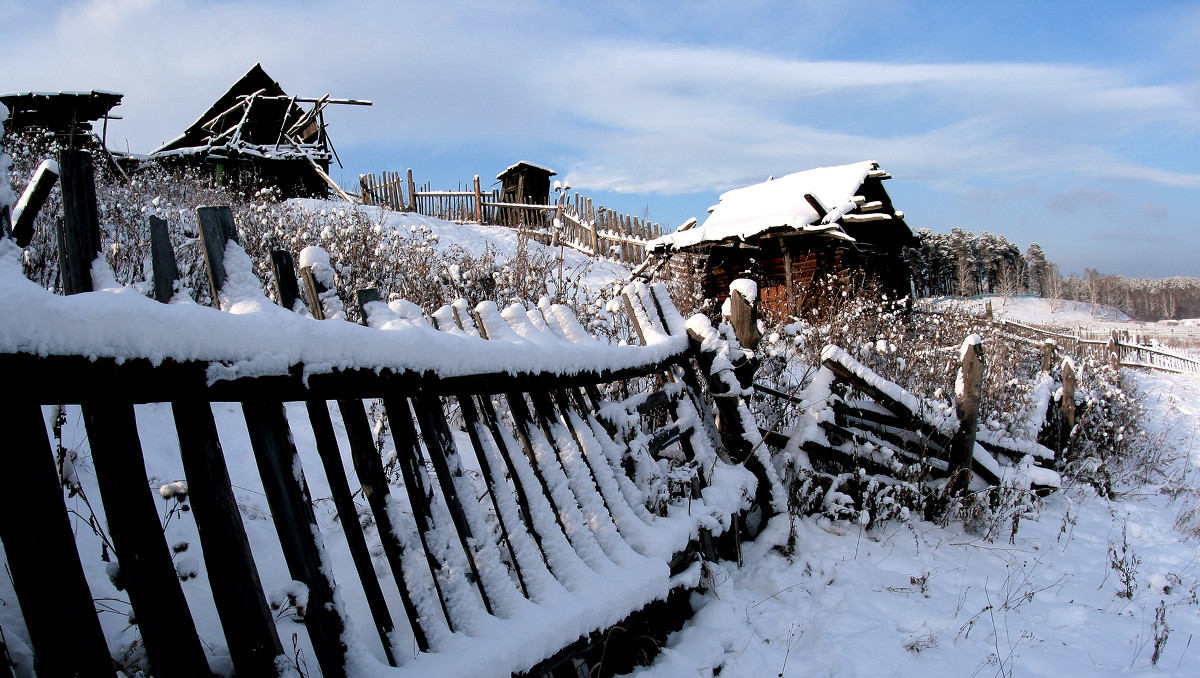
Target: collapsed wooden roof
(257, 118)
(845, 203)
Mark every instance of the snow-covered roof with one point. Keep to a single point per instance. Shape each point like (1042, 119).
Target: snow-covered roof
(527, 164)
(781, 204)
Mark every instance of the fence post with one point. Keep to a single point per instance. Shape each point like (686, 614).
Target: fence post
(1114, 350)
(79, 237)
(968, 390)
(216, 230)
(412, 193)
(162, 259)
(1048, 349)
(364, 190)
(1068, 394)
(478, 201)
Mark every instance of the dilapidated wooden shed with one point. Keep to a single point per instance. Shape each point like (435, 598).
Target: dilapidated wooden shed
(257, 134)
(786, 233)
(68, 115)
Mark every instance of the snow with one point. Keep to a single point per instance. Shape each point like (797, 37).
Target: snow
(776, 204)
(1039, 311)
(256, 337)
(921, 599)
(895, 599)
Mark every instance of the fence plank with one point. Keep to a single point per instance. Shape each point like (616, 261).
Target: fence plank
(79, 235)
(216, 229)
(292, 512)
(237, 591)
(283, 266)
(343, 501)
(31, 203)
(162, 614)
(412, 468)
(47, 576)
(444, 457)
(474, 428)
(162, 260)
(369, 469)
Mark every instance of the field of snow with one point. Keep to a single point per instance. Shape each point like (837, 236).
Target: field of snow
(1056, 312)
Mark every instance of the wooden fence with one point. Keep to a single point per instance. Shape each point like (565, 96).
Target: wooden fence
(570, 220)
(1117, 346)
(570, 525)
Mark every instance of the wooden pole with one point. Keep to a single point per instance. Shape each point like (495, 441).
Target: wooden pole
(412, 193)
(31, 202)
(79, 242)
(478, 201)
(162, 259)
(969, 389)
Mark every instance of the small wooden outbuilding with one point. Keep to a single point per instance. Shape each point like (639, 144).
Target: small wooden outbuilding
(525, 182)
(69, 115)
(786, 233)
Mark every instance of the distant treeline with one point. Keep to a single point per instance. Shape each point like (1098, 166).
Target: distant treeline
(964, 263)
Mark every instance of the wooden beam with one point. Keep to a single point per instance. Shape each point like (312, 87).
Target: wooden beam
(31, 203)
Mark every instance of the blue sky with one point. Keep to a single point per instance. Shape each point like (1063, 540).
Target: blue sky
(1072, 124)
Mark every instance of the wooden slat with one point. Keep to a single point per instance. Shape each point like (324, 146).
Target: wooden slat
(163, 618)
(216, 229)
(79, 233)
(33, 199)
(412, 468)
(447, 467)
(292, 513)
(39, 544)
(283, 266)
(343, 501)
(369, 469)
(475, 432)
(162, 259)
(237, 591)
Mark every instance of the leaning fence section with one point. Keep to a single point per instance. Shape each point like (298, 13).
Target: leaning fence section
(570, 220)
(509, 525)
(1118, 347)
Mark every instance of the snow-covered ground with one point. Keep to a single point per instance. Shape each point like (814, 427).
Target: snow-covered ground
(1055, 312)
(917, 599)
(902, 599)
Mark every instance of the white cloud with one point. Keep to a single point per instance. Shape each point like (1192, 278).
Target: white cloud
(634, 115)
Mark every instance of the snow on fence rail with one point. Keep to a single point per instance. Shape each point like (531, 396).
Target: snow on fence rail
(519, 537)
(569, 220)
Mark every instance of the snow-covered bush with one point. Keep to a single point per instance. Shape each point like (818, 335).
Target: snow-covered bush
(365, 251)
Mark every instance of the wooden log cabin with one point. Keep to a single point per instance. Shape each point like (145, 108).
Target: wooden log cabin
(787, 233)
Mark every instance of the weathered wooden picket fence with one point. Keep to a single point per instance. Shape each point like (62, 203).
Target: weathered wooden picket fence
(525, 576)
(1118, 347)
(569, 220)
